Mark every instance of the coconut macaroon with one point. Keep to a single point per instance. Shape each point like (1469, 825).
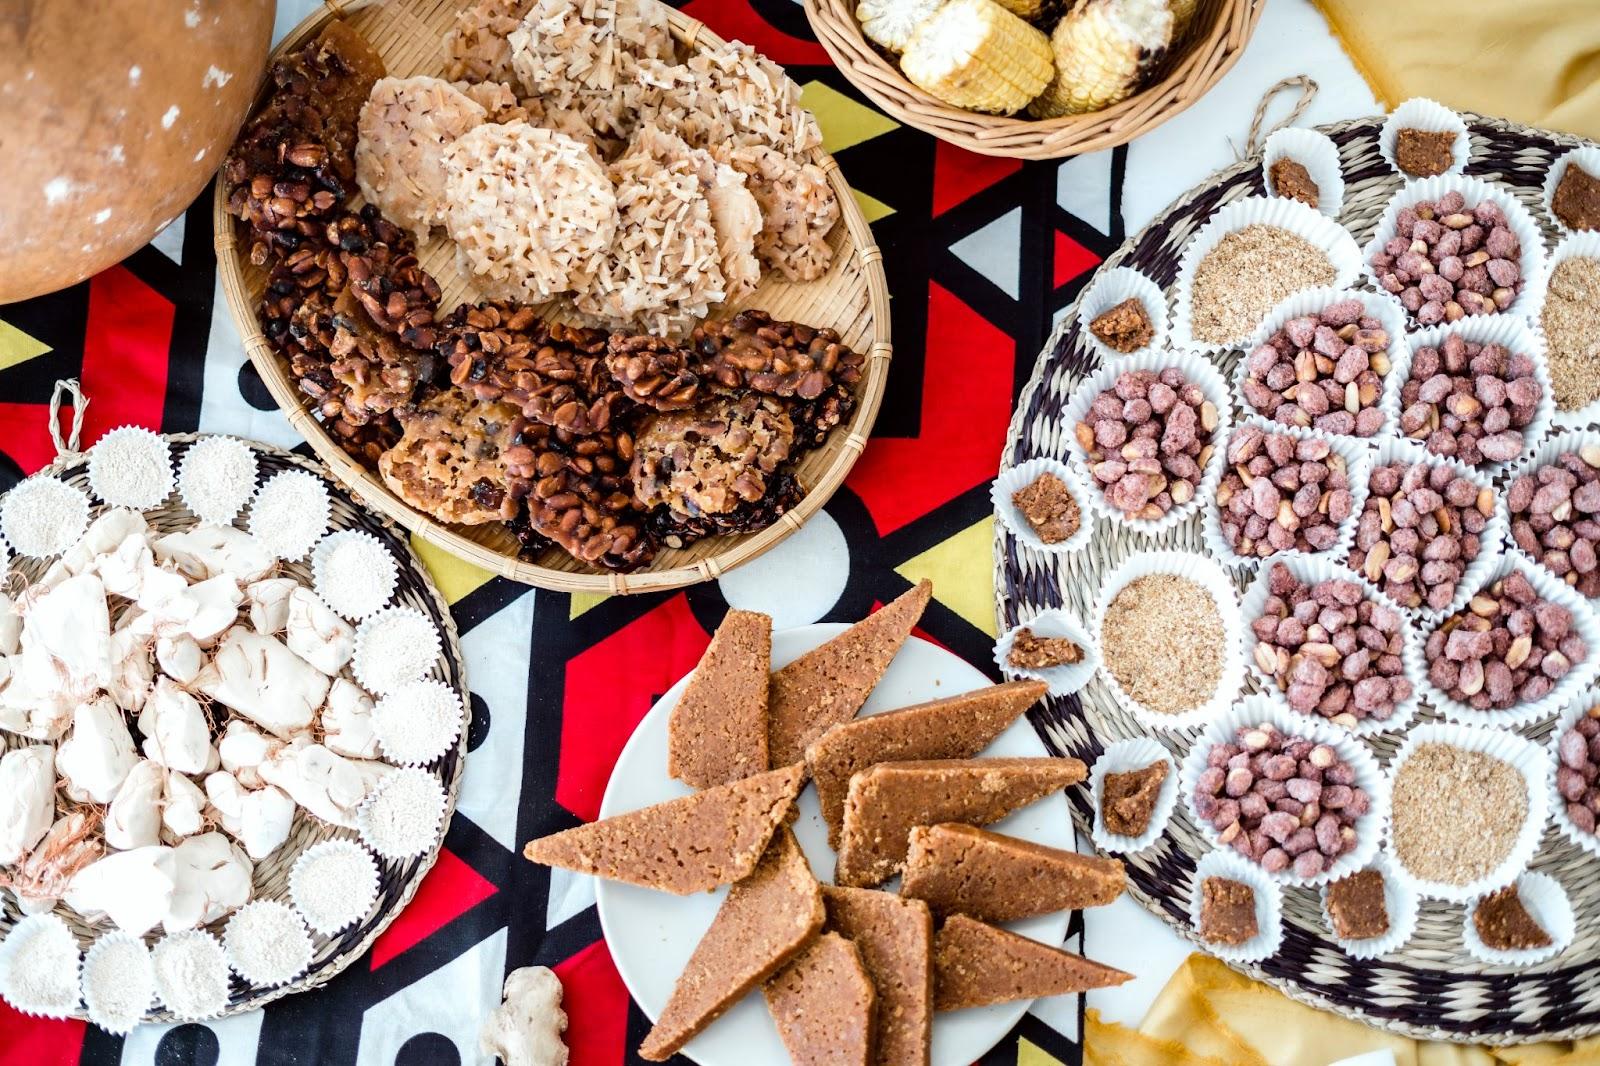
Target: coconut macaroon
(191, 974)
(39, 967)
(290, 513)
(131, 467)
(354, 573)
(406, 124)
(400, 818)
(267, 943)
(417, 722)
(575, 55)
(42, 516)
(333, 884)
(395, 646)
(798, 210)
(216, 478)
(735, 96)
(530, 209)
(119, 982)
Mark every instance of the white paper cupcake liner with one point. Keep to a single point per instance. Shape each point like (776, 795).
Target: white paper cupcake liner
(402, 816)
(1216, 581)
(1055, 622)
(1318, 154)
(131, 976)
(131, 467)
(1527, 758)
(1420, 113)
(42, 517)
(1021, 476)
(198, 991)
(296, 495)
(1198, 370)
(1312, 302)
(358, 590)
(1255, 710)
(39, 942)
(395, 646)
(1358, 464)
(1549, 450)
(418, 722)
(1547, 904)
(1399, 901)
(357, 884)
(1577, 680)
(1513, 334)
(1570, 715)
(216, 478)
(1311, 571)
(1531, 260)
(1587, 157)
(1320, 230)
(1269, 906)
(1580, 245)
(1134, 753)
(1110, 288)
(267, 943)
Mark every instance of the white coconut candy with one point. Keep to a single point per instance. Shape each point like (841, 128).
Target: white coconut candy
(67, 631)
(131, 467)
(418, 721)
(176, 733)
(104, 536)
(134, 818)
(132, 673)
(267, 943)
(346, 721)
(216, 478)
(122, 570)
(333, 884)
(41, 876)
(10, 626)
(317, 634)
(402, 816)
(243, 748)
(132, 888)
(260, 819)
(182, 807)
(191, 974)
(119, 982)
(39, 967)
(207, 551)
(98, 754)
(269, 604)
(354, 573)
(27, 799)
(42, 516)
(290, 513)
(394, 646)
(31, 705)
(263, 680)
(180, 657)
(525, 1030)
(213, 878)
(325, 783)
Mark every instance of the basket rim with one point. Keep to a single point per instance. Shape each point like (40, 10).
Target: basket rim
(849, 440)
(866, 68)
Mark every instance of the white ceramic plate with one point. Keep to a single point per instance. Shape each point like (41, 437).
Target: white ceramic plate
(652, 934)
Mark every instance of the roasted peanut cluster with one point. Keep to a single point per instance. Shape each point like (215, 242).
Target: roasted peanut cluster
(1470, 401)
(1281, 493)
(1421, 528)
(1284, 802)
(1331, 649)
(1446, 261)
(1148, 439)
(1578, 769)
(1322, 371)
(1555, 517)
(1509, 646)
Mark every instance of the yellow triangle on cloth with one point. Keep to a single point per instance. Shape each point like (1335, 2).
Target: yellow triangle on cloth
(17, 346)
(583, 601)
(871, 207)
(962, 571)
(844, 122)
(455, 577)
(1030, 1054)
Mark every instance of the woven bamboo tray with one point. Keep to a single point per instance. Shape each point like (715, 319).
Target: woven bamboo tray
(1215, 40)
(1430, 988)
(853, 298)
(397, 880)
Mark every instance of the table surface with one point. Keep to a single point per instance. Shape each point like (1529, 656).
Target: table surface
(981, 256)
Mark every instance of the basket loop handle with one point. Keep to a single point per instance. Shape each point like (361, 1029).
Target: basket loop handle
(67, 449)
(1257, 136)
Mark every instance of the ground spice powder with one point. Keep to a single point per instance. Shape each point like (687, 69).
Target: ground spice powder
(1162, 639)
(1456, 813)
(1246, 275)
(1571, 321)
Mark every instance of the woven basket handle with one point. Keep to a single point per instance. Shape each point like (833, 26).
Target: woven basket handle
(67, 449)
(1258, 136)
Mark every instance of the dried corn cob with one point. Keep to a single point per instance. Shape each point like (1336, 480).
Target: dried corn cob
(1029, 10)
(1103, 50)
(977, 55)
(891, 23)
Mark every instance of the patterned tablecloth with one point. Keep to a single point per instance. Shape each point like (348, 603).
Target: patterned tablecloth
(981, 255)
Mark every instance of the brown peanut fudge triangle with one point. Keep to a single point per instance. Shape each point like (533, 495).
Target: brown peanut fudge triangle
(1504, 923)
(975, 965)
(767, 919)
(956, 727)
(828, 685)
(718, 731)
(1129, 798)
(895, 938)
(692, 844)
(959, 869)
(888, 800)
(825, 1006)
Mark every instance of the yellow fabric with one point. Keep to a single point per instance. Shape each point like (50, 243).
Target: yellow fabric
(962, 571)
(1533, 61)
(1208, 1015)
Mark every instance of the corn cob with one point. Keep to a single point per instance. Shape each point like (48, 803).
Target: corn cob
(977, 55)
(891, 23)
(1103, 50)
(1027, 10)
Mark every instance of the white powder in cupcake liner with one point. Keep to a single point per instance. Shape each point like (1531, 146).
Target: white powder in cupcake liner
(333, 884)
(119, 982)
(191, 974)
(417, 721)
(267, 943)
(290, 513)
(394, 646)
(42, 517)
(131, 467)
(39, 967)
(401, 817)
(216, 478)
(354, 573)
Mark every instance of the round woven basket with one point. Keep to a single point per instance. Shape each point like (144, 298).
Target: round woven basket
(1215, 39)
(1429, 988)
(852, 298)
(397, 880)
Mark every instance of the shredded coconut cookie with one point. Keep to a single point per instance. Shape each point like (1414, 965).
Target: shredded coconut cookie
(477, 45)
(734, 96)
(267, 943)
(290, 513)
(216, 478)
(394, 646)
(333, 884)
(353, 573)
(530, 210)
(798, 209)
(400, 818)
(42, 516)
(569, 53)
(39, 967)
(131, 467)
(418, 721)
(406, 124)
(191, 974)
(119, 982)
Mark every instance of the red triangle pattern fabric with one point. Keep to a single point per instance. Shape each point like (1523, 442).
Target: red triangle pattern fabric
(596, 1002)
(1072, 260)
(958, 174)
(451, 889)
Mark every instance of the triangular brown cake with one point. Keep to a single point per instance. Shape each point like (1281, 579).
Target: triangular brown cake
(959, 869)
(828, 685)
(718, 731)
(685, 845)
(767, 919)
(975, 965)
(956, 727)
(824, 1005)
(888, 800)
(895, 938)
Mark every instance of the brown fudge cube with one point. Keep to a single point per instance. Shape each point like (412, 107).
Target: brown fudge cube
(1423, 153)
(1356, 906)
(1227, 911)
(1128, 799)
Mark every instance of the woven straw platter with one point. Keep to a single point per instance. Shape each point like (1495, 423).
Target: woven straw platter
(1429, 988)
(397, 880)
(852, 298)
